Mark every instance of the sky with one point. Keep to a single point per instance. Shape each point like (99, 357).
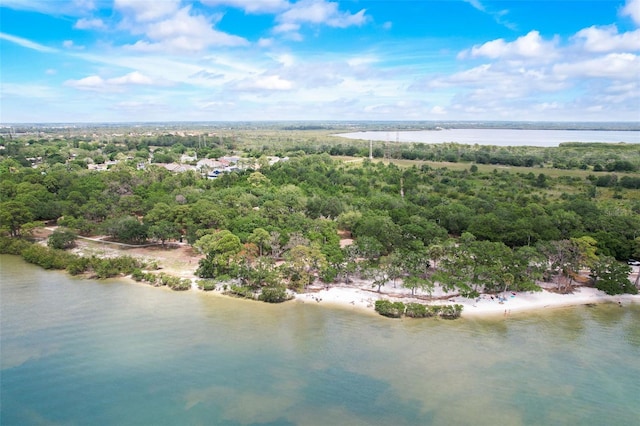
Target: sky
(258, 60)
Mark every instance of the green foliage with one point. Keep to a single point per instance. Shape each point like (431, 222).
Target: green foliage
(240, 291)
(389, 309)
(275, 294)
(10, 245)
(13, 215)
(515, 214)
(206, 285)
(417, 310)
(78, 265)
(612, 277)
(164, 230)
(127, 229)
(451, 311)
(62, 239)
(46, 258)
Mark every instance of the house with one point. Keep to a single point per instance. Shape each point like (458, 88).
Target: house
(176, 168)
(188, 159)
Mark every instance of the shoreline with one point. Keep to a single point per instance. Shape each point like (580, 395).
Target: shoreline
(484, 306)
(360, 295)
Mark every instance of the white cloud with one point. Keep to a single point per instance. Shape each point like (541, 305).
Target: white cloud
(285, 59)
(251, 6)
(58, 8)
(476, 4)
(89, 24)
(268, 82)
(319, 12)
(607, 39)
(93, 82)
(632, 9)
(357, 61)
(28, 91)
(184, 32)
(530, 46)
(147, 10)
(99, 84)
(619, 66)
(131, 78)
(27, 43)
(498, 16)
(69, 44)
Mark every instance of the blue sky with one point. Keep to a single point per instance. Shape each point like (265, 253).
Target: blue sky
(238, 60)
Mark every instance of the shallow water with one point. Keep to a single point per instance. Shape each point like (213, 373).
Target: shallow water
(499, 137)
(111, 352)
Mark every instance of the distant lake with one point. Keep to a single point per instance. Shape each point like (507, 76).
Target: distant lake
(499, 137)
(86, 352)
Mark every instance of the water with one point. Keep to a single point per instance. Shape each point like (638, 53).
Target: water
(78, 352)
(500, 137)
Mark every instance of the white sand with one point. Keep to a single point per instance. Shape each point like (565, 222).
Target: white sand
(362, 296)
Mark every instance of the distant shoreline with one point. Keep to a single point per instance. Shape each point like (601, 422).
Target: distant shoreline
(548, 138)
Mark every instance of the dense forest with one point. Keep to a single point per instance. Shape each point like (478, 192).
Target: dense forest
(470, 219)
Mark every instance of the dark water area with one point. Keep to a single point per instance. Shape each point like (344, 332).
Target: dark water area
(79, 352)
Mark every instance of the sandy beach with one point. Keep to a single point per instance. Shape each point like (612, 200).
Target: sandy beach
(361, 295)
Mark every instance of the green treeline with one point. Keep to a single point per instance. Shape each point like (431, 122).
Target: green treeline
(276, 227)
(51, 258)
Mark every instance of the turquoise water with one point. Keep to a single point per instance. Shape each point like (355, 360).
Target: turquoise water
(79, 352)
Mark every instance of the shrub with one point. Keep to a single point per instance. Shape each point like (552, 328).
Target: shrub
(62, 239)
(13, 245)
(239, 291)
(111, 267)
(275, 294)
(451, 311)
(78, 265)
(47, 258)
(390, 309)
(137, 274)
(150, 278)
(178, 284)
(418, 310)
(206, 285)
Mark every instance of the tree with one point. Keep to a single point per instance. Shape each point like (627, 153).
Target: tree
(159, 212)
(13, 215)
(261, 238)
(127, 229)
(62, 239)
(612, 276)
(258, 272)
(381, 228)
(304, 263)
(221, 248)
(563, 260)
(257, 179)
(164, 230)
(276, 244)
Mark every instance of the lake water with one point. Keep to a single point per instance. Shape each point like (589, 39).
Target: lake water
(499, 137)
(84, 352)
